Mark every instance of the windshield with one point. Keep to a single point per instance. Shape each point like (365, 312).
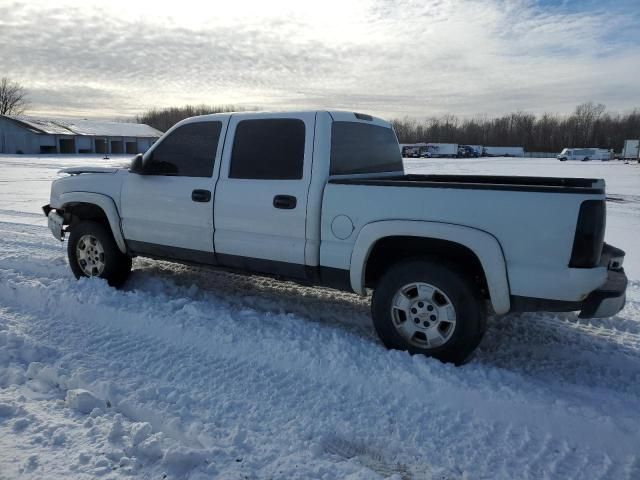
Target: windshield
(363, 148)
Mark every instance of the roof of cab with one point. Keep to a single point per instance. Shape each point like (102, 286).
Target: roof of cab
(336, 115)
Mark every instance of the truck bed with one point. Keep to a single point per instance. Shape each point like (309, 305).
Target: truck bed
(483, 182)
(533, 219)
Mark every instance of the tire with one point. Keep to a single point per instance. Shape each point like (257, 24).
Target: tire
(439, 333)
(101, 256)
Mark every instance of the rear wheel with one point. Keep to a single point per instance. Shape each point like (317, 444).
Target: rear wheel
(93, 252)
(425, 307)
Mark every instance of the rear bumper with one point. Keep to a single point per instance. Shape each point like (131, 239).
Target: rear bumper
(608, 299)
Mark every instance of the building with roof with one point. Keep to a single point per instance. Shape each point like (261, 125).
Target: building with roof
(34, 135)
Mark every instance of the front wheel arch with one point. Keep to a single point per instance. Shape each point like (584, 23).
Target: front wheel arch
(100, 201)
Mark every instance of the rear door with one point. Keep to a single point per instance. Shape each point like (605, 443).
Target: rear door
(171, 205)
(261, 196)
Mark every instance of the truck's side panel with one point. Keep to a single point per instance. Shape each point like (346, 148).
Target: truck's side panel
(175, 208)
(513, 218)
(249, 221)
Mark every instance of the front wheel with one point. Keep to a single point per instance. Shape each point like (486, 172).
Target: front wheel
(93, 252)
(425, 307)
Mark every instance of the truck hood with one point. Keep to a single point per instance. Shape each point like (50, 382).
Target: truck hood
(79, 170)
(88, 180)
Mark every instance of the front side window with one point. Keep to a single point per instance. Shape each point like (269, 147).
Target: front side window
(268, 149)
(188, 151)
(363, 148)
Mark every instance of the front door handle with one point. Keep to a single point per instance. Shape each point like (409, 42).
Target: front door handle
(286, 202)
(201, 196)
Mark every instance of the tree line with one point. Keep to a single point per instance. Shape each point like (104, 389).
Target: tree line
(164, 118)
(590, 125)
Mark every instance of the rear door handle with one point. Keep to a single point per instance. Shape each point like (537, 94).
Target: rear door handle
(286, 202)
(201, 196)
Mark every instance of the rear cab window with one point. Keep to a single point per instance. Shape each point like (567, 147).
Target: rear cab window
(268, 149)
(359, 148)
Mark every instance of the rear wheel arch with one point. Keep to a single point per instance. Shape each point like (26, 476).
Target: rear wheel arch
(466, 249)
(389, 251)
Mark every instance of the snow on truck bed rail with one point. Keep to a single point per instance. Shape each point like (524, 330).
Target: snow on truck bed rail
(192, 373)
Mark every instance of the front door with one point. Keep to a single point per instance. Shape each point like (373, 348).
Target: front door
(171, 204)
(261, 196)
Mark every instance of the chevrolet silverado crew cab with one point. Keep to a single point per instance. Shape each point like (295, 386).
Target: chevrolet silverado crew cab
(322, 197)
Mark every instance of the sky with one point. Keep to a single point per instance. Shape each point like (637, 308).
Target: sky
(415, 58)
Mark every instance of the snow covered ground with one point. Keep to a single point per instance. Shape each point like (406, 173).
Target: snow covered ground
(189, 373)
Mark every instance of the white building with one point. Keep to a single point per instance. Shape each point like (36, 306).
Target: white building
(34, 135)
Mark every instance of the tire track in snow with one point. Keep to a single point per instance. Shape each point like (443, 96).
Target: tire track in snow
(285, 375)
(587, 360)
(106, 337)
(237, 376)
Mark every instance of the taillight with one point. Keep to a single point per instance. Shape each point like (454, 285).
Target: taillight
(589, 238)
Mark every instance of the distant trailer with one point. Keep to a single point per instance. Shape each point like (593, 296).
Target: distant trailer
(584, 154)
(441, 150)
(503, 152)
(631, 150)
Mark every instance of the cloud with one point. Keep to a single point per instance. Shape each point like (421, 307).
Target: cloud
(415, 58)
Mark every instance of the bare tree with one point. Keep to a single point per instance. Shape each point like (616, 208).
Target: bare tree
(12, 97)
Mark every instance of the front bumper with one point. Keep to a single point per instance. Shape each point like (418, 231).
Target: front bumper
(55, 222)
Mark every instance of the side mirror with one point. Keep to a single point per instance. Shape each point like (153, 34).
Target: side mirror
(136, 165)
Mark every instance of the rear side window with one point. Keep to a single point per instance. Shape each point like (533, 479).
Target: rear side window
(363, 148)
(270, 149)
(188, 151)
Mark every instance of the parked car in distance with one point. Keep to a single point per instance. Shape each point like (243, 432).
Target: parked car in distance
(321, 197)
(467, 151)
(583, 154)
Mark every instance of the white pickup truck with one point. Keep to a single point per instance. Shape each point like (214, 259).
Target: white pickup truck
(322, 197)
